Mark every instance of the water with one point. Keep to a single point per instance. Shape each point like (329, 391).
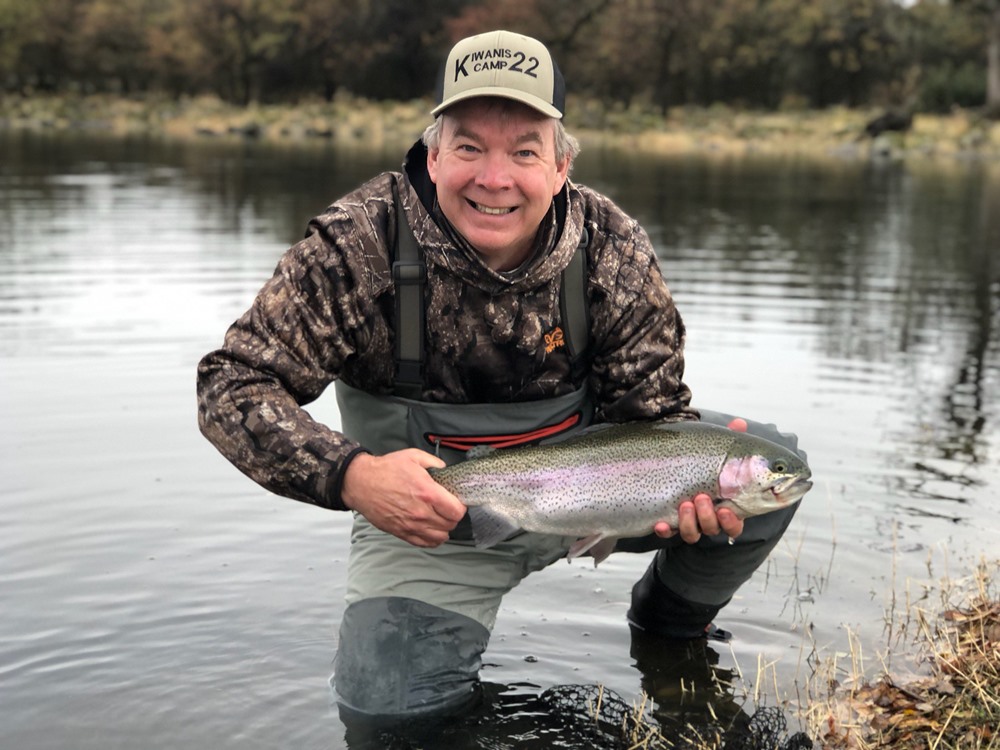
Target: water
(153, 597)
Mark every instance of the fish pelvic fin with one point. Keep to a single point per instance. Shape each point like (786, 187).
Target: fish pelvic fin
(599, 546)
(489, 527)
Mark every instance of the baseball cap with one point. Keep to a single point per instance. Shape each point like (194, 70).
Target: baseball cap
(504, 64)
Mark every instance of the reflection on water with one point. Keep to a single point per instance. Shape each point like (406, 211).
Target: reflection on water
(154, 596)
(890, 270)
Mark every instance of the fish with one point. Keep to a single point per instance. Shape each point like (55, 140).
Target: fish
(619, 480)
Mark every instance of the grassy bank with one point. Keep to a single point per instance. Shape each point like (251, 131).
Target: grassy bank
(942, 691)
(949, 699)
(380, 125)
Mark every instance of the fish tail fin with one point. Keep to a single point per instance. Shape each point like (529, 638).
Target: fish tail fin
(490, 528)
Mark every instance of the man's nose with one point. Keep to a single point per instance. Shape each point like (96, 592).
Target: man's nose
(495, 172)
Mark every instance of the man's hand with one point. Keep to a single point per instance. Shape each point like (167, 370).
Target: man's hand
(397, 495)
(698, 515)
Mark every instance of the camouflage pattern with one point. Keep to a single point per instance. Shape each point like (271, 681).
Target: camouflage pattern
(327, 313)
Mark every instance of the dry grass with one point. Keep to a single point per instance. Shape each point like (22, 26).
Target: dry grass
(379, 125)
(832, 132)
(941, 692)
(952, 703)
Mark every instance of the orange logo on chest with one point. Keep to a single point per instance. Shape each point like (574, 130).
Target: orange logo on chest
(554, 340)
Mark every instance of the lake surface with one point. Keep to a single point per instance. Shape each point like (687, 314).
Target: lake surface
(154, 597)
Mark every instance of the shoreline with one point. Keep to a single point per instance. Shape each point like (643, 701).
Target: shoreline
(359, 123)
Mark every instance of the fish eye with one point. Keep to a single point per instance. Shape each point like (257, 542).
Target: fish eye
(780, 466)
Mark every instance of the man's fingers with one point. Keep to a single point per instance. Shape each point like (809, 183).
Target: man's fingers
(426, 538)
(732, 525)
(443, 503)
(708, 522)
(687, 522)
(448, 506)
(396, 494)
(663, 529)
(423, 458)
(699, 516)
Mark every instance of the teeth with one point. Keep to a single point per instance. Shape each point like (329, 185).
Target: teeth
(492, 211)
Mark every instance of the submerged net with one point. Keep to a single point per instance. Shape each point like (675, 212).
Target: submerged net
(615, 724)
(587, 717)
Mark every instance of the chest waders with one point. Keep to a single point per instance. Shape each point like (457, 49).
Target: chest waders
(418, 620)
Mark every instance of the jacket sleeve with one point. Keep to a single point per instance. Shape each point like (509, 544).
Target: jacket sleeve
(302, 331)
(638, 367)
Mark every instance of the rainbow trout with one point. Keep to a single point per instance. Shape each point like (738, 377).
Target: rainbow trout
(616, 481)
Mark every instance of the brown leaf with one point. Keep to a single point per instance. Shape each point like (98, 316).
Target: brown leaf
(943, 686)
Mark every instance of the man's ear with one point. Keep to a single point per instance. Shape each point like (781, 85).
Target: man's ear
(432, 163)
(562, 173)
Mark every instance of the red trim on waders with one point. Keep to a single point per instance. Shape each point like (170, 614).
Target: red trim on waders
(468, 442)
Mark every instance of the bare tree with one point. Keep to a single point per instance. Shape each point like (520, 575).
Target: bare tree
(993, 62)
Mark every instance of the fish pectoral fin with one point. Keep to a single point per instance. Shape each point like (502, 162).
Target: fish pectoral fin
(599, 545)
(490, 528)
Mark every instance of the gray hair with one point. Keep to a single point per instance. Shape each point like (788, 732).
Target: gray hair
(566, 144)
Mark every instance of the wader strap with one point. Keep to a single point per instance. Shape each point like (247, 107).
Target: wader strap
(573, 307)
(409, 275)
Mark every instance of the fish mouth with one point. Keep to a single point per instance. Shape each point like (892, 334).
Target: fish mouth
(791, 489)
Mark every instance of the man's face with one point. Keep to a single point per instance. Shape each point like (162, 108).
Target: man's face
(496, 173)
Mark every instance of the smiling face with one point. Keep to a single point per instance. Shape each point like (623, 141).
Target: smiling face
(496, 174)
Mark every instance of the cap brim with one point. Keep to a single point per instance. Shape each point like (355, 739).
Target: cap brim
(534, 102)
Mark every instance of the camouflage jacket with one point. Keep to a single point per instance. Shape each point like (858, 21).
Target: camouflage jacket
(328, 313)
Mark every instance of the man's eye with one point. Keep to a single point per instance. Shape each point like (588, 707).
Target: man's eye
(526, 153)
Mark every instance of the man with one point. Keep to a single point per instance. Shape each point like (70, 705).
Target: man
(444, 303)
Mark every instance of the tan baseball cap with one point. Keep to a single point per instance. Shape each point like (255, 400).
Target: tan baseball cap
(505, 64)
